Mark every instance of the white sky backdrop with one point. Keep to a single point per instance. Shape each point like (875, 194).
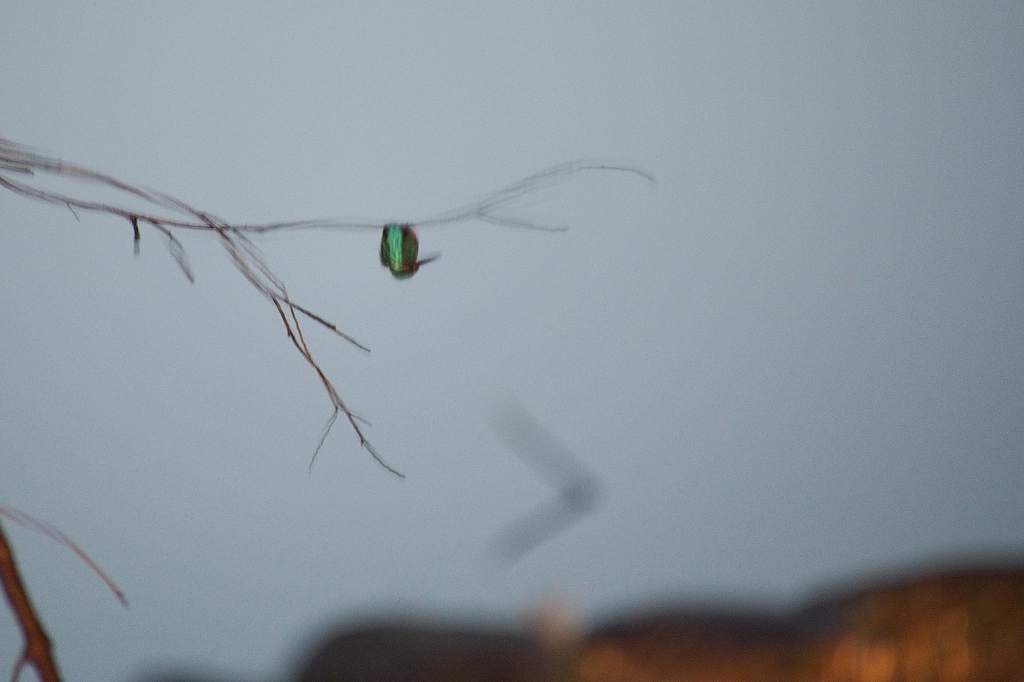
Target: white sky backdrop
(798, 356)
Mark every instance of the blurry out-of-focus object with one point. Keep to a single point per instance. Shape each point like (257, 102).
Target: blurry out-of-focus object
(431, 652)
(958, 624)
(948, 626)
(577, 490)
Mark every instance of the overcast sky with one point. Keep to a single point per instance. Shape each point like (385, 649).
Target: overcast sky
(797, 357)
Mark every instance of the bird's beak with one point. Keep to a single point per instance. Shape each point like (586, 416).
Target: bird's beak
(424, 261)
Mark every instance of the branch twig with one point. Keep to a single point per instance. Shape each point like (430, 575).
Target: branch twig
(15, 158)
(38, 648)
(244, 254)
(37, 652)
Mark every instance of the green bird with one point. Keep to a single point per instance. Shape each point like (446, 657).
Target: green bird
(399, 245)
(399, 249)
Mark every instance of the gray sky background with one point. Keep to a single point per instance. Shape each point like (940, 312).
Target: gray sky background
(797, 357)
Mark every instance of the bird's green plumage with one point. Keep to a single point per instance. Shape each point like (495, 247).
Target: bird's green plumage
(399, 248)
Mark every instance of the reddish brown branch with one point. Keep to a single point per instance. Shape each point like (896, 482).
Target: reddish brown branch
(38, 651)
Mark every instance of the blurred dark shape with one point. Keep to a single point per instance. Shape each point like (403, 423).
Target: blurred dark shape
(170, 674)
(943, 625)
(412, 652)
(577, 490)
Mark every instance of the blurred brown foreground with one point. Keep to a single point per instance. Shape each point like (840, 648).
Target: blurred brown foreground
(963, 623)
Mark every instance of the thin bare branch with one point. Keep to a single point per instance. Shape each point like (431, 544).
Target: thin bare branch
(177, 252)
(484, 208)
(174, 214)
(55, 534)
(294, 330)
(243, 253)
(38, 651)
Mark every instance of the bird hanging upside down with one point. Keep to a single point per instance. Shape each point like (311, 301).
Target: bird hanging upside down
(399, 245)
(399, 249)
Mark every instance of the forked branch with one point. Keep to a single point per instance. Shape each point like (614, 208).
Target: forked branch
(171, 214)
(38, 651)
